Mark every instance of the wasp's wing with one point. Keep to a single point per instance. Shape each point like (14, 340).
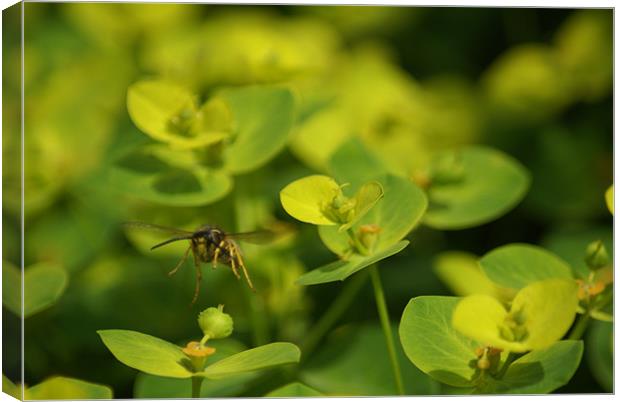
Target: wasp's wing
(255, 237)
(157, 228)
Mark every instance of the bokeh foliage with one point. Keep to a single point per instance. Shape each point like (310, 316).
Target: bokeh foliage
(520, 100)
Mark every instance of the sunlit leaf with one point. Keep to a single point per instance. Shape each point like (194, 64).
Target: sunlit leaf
(492, 184)
(147, 353)
(266, 356)
(67, 388)
(462, 274)
(396, 214)
(433, 344)
(341, 270)
(517, 265)
(151, 386)
(306, 199)
(44, 284)
(543, 312)
(169, 113)
(263, 117)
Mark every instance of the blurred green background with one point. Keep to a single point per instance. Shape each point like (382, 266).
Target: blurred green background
(534, 83)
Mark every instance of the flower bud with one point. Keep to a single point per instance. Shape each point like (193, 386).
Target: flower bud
(596, 255)
(215, 323)
(368, 235)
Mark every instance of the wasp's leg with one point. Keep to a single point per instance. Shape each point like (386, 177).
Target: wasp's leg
(236, 256)
(233, 264)
(198, 279)
(176, 268)
(216, 254)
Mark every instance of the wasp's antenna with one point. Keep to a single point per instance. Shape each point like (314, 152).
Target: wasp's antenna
(177, 238)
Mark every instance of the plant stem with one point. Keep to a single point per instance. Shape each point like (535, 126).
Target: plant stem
(580, 327)
(196, 384)
(387, 328)
(338, 307)
(509, 359)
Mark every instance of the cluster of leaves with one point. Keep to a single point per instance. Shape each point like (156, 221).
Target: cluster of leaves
(206, 116)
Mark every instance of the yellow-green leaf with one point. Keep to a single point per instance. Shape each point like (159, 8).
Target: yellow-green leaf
(67, 388)
(305, 199)
(549, 309)
(609, 198)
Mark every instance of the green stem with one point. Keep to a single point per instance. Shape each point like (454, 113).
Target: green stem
(511, 357)
(359, 247)
(338, 307)
(580, 327)
(387, 328)
(196, 384)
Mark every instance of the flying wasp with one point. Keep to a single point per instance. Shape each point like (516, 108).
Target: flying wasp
(210, 244)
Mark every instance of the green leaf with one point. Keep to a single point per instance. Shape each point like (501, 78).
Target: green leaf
(293, 390)
(168, 113)
(341, 270)
(8, 387)
(543, 311)
(68, 388)
(306, 198)
(147, 353)
(609, 198)
(462, 274)
(266, 356)
(263, 118)
(492, 184)
(44, 284)
(353, 163)
(11, 288)
(539, 372)
(600, 353)
(365, 198)
(159, 174)
(396, 214)
(517, 265)
(343, 363)
(433, 344)
(151, 386)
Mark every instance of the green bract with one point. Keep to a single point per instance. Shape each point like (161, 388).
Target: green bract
(151, 386)
(517, 265)
(169, 113)
(433, 345)
(67, 388)
(43, 285)
(158, 357)
(462, 274)
(234, 132)
(489, 183)
(379, 232)
(540, 314)
(319, 200)
(538, 372)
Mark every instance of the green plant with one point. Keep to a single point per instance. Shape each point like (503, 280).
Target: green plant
(158, 357)
(504, 335)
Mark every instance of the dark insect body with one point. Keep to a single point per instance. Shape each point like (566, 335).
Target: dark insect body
(209, 244)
